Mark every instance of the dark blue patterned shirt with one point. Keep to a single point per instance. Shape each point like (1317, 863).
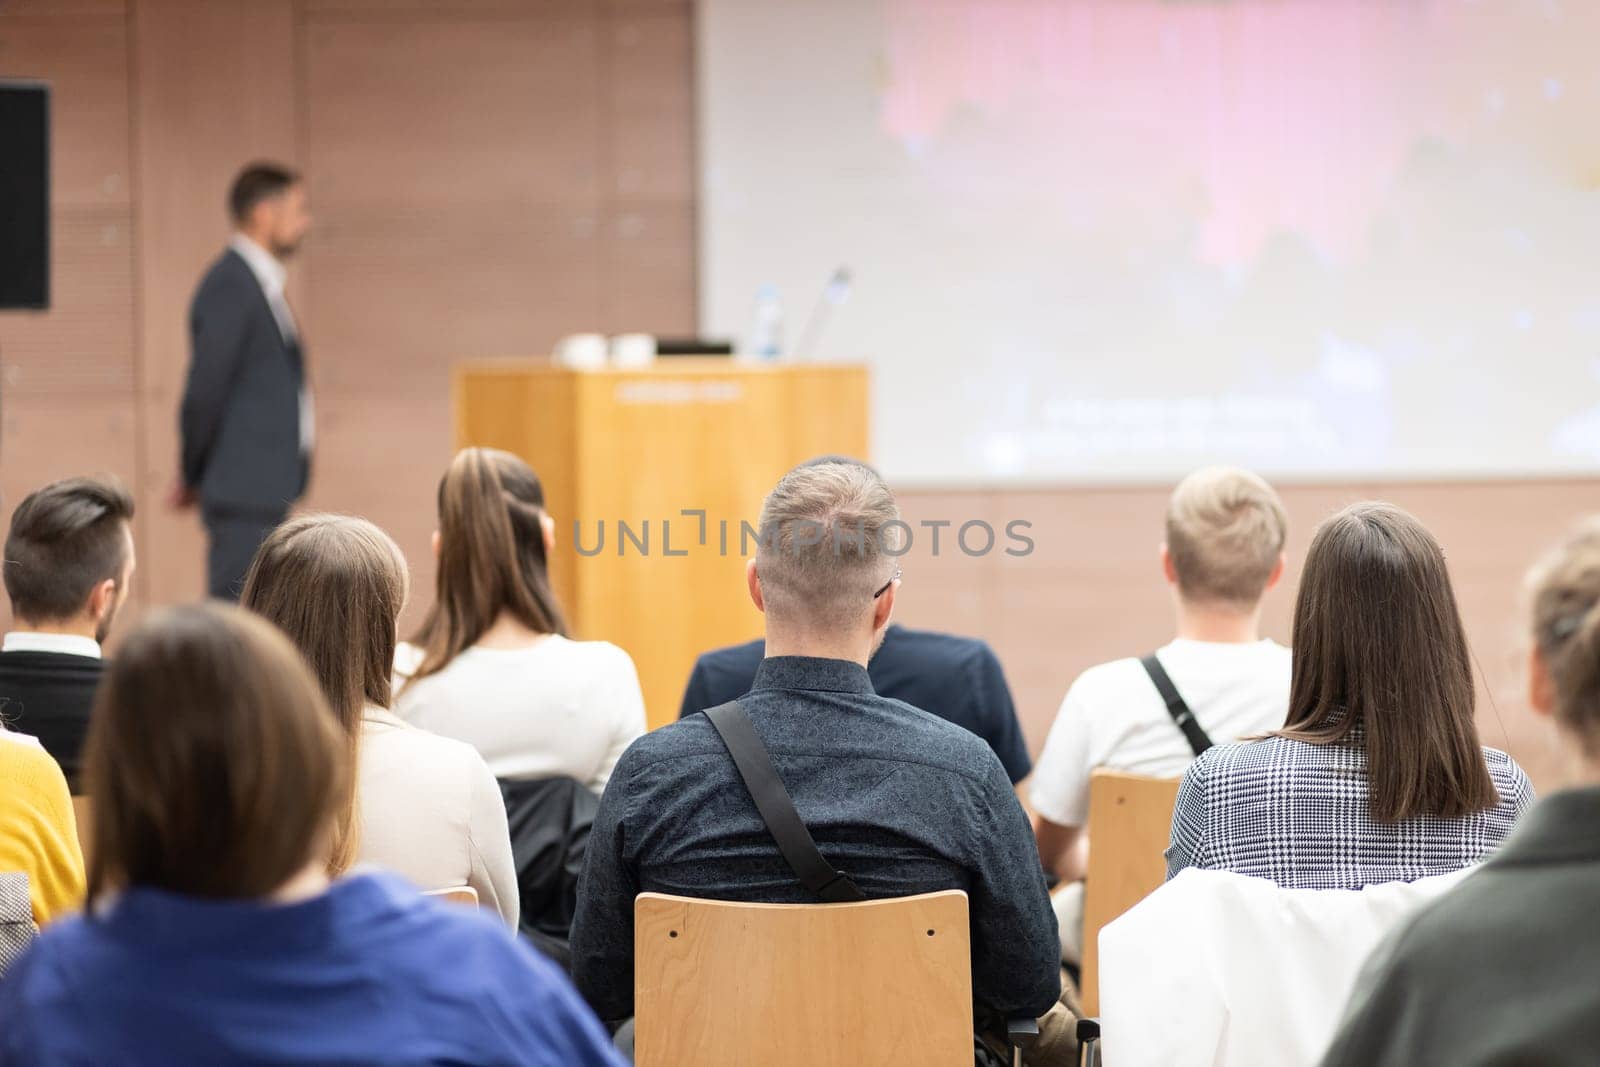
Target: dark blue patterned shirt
(956, 678)
(1298, 813)
(899, 800)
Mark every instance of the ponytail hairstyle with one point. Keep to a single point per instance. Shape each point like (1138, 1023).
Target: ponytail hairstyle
(491, 556)
(1565, 601)
(1381, 660)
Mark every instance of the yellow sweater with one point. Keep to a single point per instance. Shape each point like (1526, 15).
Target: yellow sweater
(38, 831)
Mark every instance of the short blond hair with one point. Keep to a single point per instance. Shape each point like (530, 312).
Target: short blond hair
(829, 534)
(1564, 593)
(1225, 532)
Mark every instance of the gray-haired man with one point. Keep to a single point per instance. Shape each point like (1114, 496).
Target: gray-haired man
(898, 801)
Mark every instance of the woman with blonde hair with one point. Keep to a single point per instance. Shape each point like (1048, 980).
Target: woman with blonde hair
(214, 933)
(421, 805)
(492, 665)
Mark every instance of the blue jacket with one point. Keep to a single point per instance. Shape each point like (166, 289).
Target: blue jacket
(367, 973)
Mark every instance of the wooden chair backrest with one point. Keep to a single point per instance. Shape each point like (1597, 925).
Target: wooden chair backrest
(460, 894)
(724, 984)
(1130, 822)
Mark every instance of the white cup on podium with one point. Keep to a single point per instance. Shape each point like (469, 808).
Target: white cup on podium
(581, 351)
(633, 350)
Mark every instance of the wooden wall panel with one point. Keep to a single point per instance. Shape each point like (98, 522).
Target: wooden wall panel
(44, 439)
(83, 53)
(477, 9)
(647, 285)
(58, 8)
(648, 260)
(454, 159)
(67, 374)
(394, 300)
(50, 436)
(483, 186)
(452, 112)
(84, 342)
(380, 455)
(939, 581)
(215, 89)
(649, 92)
(454, 167)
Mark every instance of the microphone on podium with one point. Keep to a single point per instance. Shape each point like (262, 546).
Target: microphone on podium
(834, 293)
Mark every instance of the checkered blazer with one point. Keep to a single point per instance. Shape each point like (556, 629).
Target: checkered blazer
(1297, 813)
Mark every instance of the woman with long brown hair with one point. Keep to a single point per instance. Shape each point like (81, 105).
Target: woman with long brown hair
(214, 933)
(492, 665)
(1378, 774)
(1501, 969)
(422, 805)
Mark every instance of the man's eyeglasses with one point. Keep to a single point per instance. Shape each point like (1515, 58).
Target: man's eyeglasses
(887, 584)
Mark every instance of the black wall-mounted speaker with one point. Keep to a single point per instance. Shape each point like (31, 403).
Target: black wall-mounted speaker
(24, 195)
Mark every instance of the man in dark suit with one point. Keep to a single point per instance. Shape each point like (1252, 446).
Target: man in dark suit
(68, 565)
(956, 678)
(246, 421)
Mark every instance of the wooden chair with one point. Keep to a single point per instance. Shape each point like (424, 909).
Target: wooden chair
(1130, 822)
(80, 812)
(460, 894)
(722, 984)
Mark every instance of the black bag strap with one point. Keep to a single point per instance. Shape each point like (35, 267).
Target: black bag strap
(777, 808)
(1176, 706)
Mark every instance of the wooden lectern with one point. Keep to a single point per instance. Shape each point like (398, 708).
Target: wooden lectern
(631, 457)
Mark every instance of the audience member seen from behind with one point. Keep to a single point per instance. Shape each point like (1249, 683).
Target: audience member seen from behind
(956, 678)
(1501, 970)
(38, 830)
(68, 567)
(423, 806)
(220, 784)
(900, 801)
(1225, 531)
(1377, 775)
(492, 665)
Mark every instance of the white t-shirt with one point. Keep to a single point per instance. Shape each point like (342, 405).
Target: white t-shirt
(1113, 717)
(554, 708)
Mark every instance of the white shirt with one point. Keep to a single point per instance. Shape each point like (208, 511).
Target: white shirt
(1113, 717)
(68, 644)
(1216, 969)
(553, 708)
(11, 736)
(429, 810)
(272, 276)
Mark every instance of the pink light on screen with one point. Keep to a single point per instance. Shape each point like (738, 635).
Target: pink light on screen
(1281, 115)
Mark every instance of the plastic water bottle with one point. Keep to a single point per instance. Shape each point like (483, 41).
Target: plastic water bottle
(766, 335)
